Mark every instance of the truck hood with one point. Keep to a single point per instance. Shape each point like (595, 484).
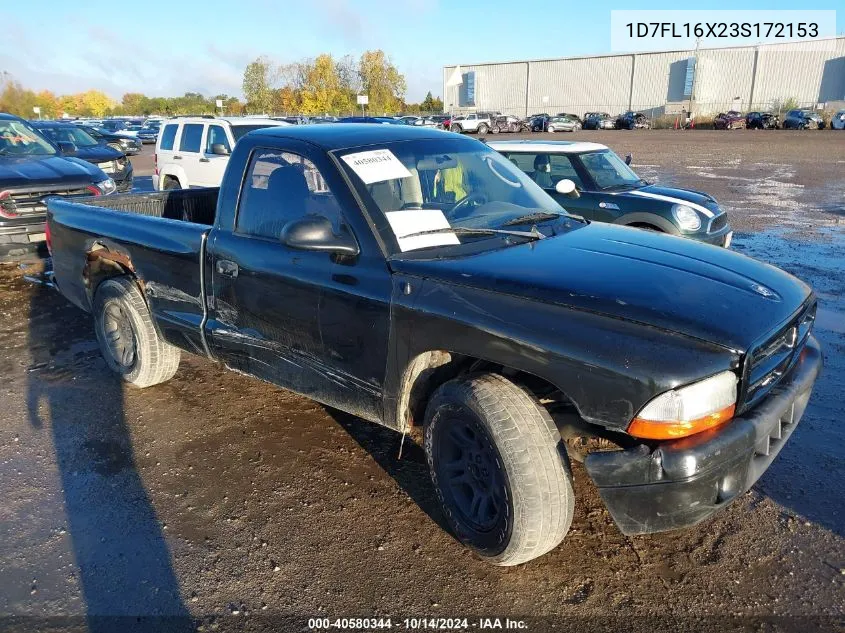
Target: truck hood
(44, 171)
(672, 283)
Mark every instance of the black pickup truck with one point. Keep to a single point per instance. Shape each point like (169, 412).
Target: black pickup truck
(414, 277)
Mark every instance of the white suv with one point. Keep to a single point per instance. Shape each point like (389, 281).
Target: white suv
(194, 151)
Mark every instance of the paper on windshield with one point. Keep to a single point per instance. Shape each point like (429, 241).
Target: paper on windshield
(376, 165)
(415, 220)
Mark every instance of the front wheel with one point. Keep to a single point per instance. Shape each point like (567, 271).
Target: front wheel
(482, 129)
(499, 470)
(456, 129)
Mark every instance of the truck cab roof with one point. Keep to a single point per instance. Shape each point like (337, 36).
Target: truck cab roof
(332, 136)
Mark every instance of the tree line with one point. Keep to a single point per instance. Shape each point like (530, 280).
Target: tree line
(319, 85)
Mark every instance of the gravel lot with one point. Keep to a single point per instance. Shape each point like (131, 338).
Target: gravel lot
(247, 507)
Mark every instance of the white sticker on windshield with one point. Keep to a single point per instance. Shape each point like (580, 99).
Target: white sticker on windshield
(405, 223)
(376, 165)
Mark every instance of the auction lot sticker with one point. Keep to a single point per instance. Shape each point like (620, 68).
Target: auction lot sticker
(415, 220)
(376, 165)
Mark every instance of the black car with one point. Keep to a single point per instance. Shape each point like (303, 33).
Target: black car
(761, 121)
(599, 121)
(121, 143)
(539, 122)
(802, 120)
(113, 162)
(632, 121)
(33, 168)
(435, 284)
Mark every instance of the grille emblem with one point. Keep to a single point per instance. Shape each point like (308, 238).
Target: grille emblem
(762, 290)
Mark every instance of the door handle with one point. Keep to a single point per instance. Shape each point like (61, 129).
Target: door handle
(205, 160)
(177, 158)
(227, 268)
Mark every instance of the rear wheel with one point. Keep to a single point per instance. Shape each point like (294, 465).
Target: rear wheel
(498, 468)
(128, 340)
(171, 184)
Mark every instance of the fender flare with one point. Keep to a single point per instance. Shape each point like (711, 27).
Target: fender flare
(648, 218)
(176, 172)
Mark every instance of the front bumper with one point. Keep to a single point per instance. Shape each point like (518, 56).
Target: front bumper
(22, 234)
(683, 482)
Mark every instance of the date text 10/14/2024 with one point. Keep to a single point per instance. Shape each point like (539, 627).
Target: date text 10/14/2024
(417, 624)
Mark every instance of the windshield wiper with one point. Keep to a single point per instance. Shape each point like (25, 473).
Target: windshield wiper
(461, 230)
(538, 216)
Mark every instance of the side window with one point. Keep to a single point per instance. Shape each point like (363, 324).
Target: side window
(280, 187)
(562, 168)
(524, 162)
(191, 137)
(168, 136)
(216, 134)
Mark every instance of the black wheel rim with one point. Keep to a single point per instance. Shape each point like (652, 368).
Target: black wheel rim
(470, 474)
(116, 330)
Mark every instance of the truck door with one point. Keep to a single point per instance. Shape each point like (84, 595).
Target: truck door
(301, 319)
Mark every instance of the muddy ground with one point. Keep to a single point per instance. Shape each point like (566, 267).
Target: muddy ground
(224, 499)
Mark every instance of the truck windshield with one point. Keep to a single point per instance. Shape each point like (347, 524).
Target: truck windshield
(18, 139)
(609, 171)
(436, 184)
(69, 134)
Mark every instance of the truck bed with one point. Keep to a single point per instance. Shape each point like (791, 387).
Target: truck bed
(159, 238)
(188, 205)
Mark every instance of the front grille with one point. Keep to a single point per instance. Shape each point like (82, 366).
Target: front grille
(34, 203)
(718, 223)
(772, 359)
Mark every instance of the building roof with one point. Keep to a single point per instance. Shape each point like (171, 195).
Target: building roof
(548, 147)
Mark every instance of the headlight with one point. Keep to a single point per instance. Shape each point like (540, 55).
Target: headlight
(106, 186)
(687, 217)
(688, 410)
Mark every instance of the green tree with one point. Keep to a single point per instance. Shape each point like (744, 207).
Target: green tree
(257, 84)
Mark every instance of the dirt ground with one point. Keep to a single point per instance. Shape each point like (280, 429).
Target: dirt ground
(220, 498)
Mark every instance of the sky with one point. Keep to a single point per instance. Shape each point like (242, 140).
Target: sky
(169, 47)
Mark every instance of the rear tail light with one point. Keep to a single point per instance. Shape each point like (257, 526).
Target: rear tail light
(155, 163)
(48, 237)
(93, 190)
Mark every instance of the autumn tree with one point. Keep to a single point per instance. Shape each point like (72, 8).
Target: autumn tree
(381, 81)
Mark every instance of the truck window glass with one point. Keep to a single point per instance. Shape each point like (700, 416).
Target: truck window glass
(216, 134)
(168, 136)
(280, 187)
(191, 137)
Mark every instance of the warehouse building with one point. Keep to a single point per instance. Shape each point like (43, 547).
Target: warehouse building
(703, 81)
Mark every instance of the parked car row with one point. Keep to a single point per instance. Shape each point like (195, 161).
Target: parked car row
(799, 119)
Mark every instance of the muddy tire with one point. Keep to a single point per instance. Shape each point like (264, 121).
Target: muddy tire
(128, 340)
(497, 463)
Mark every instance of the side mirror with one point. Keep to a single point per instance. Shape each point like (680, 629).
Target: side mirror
(629, 158)
(567, 188)
(66, 148)
(315, 233)
(218, 149)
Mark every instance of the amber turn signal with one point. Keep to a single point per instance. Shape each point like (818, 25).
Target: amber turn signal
(674, 429)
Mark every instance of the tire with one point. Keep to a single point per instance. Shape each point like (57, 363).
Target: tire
(509, 448)
(483, 129)
(137, 353)
(456, 129)
(171, 183)
(494, 129)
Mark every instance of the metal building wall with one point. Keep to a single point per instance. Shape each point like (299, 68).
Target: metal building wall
(497, 87)
(809, 72)
(579, 85)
